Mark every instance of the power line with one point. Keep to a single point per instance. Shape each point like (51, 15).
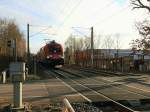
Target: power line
(81, 27)
(41, 31)
(71, 12)
(80, 32)
(60, 25)
(105, 7)
(107, 18)
(111, 16)
(50, 26)
(39, 25)
(65, 6)
(70, 15)
(61, 10)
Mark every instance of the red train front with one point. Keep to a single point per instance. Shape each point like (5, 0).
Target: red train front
(51, 54)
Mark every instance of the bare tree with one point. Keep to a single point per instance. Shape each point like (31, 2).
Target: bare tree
(117, 42)
(140, 4)
(74, 45)
(143, 28)
(86, 43)
(142, 43)
(8, 31)
(15, 33)
(108, 42)
(97, 40)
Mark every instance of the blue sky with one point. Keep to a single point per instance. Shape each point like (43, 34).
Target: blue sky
(121, 2)
(107, 17)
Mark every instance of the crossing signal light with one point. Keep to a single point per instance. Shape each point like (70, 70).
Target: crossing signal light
(9, 42)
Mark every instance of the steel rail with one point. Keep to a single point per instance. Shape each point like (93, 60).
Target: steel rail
(102, 80)
(125, 108)
(108, 72)
(68, 107)
(132, 87)
(84, 97)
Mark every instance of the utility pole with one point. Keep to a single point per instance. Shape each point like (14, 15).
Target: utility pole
(35, 68)
(15, 49)
(13, 44)
(92, 47)
(117, 57)
(28, 47)
(74, 51)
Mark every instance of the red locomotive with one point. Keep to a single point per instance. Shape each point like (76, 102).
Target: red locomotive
(51, 54)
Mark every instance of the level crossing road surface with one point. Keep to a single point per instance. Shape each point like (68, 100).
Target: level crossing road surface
(40, 92)
(55, 89)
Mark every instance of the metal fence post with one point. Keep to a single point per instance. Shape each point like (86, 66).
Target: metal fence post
(3, 76)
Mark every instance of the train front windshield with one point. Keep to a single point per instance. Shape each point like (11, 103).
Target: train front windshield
(55, 49)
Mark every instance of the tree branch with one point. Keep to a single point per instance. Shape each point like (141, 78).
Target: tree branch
(139, 4)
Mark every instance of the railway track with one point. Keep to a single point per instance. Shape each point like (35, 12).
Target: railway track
(125, 86)
(107, 73)
(68, 78)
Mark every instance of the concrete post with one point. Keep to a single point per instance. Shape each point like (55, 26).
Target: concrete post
(17, 72)
(18, 95)
(92, 47)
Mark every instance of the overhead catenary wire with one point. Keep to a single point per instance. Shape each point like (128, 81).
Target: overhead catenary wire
(66, 6)
(81, 27)
(105, 19)
(111, 16)
(110, 3)
(43, 25)
(61, 10)
(37, 25)
(70, 13)
(61, 23)
(41, 31)
(101, 9)
(80, 32)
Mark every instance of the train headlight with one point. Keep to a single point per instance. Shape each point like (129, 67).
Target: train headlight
(47, 57)
(50, 56)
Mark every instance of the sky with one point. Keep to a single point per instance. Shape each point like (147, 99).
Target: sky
(56, 19)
